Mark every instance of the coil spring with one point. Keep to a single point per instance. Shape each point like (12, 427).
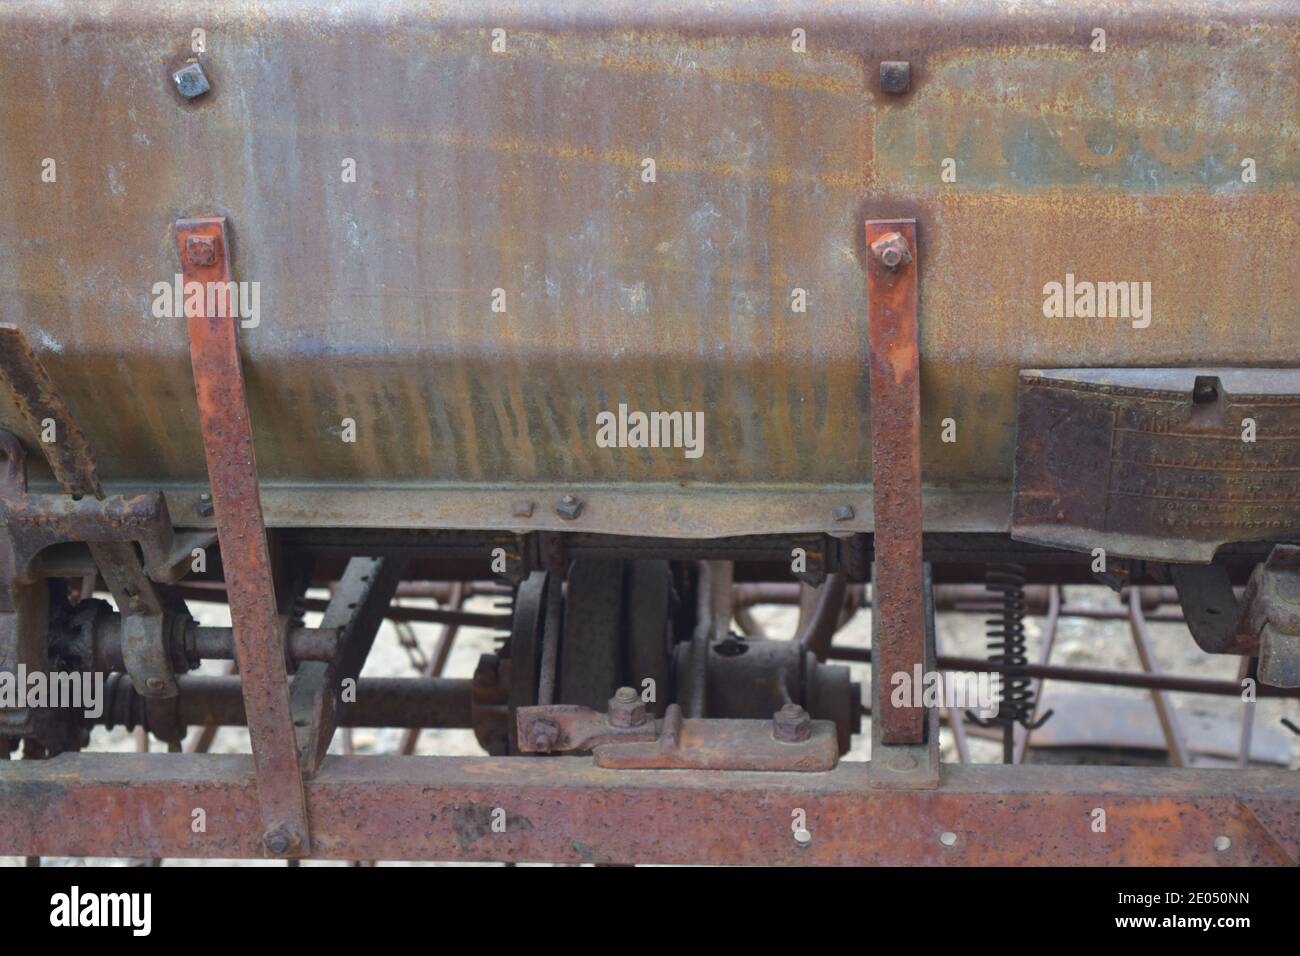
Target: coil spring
(1006, 643)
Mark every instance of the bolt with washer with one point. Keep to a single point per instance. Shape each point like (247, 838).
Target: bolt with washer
(891, 250)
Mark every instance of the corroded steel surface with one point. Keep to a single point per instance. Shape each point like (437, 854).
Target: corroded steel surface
(566, 810)
(521, 170)
(897, 576)
(245, 558)
(1157, 463)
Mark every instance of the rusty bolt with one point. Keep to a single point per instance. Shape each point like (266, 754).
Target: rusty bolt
(191, 81)
(895, 76)
(522, 509)
(569, 507)
(281, 839)
(791, 724)
(842, 512)
(200, 250)
(626, 709)
(204, 506)
(545, 734)
(892, 250)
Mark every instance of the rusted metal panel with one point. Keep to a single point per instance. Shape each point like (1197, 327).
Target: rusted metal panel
(898, 586)
(1164, 464)
(521, 170)
(259, 631)
(567, 810)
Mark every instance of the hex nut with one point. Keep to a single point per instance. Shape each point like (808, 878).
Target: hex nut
(791, 724)
(626, 709)
(281, 839)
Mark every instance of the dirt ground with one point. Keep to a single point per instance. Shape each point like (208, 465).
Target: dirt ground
(1210, 723)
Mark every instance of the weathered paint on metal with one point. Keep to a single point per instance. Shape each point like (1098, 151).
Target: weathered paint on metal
(232, 468)
(567, 810)
(520, 170)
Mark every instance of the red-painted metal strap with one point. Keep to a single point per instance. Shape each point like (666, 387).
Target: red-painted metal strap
(898, 582)
(232, 471)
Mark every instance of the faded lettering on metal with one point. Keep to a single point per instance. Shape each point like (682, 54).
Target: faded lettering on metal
(1163, 464)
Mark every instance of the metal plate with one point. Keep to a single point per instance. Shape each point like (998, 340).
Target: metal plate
(521, 170)
(1129, 461)
(393, 807)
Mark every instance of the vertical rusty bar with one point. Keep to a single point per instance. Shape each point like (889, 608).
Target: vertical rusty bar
(232, 471)
(898, 582)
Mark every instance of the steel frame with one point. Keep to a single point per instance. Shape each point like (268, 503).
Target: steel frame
(568, 810)
(902, 809)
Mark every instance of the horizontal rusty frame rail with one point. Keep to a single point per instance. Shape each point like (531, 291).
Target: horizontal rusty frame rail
(567, 810)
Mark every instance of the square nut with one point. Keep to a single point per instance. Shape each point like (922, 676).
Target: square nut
(895, 76)
(200, 250)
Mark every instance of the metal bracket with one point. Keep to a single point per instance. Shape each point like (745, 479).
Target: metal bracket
(357, 609)
(1264, 624)
(1271, 616)
(38, 518)
(204, 251)
(677, 743)
(899, 618)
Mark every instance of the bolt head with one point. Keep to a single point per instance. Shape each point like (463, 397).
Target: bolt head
(895, 76)
(154, 683)
(569, 507)
(281, 839)
(200, 250)
(891, 250)
(522, 509)
(545, 734)
(843, 512)
(191, 81)
(204, 505)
